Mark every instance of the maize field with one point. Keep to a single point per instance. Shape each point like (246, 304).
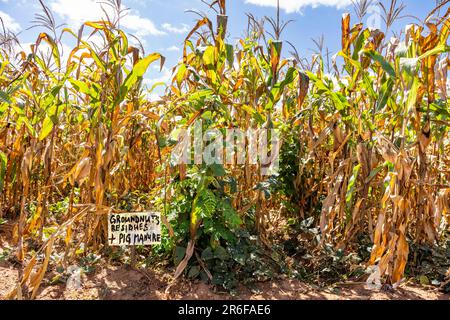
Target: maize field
(363, 185)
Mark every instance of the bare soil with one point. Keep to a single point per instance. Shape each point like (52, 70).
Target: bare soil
(124, 283)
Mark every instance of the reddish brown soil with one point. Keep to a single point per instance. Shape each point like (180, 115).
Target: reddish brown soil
(122, 283)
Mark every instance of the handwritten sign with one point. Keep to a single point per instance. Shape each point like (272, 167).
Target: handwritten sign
(134, 229)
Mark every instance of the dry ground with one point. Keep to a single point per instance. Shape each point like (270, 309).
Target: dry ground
(122, 283)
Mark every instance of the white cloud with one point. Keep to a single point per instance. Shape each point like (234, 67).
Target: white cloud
(173, 29)
(164, 76)
(9, 22)
(173, 49)
(142, 26)
(291, 6)
(76, 12)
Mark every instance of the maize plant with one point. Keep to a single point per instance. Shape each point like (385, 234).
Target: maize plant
(384, 116)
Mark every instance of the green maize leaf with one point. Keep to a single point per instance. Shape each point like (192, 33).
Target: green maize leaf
(368, 85)
(277, 46)
(199, 95)
(137, 73)
(47, 127)
(83, 87)
(339, 101)
(54, 47)
(352, 185)
(412, 96)
(46, 70)
(3, 163)
(387, 67)
(230, 54)
(181, 74)
(13, 89)
(100, 25)
(355, 63)
(124, 50)
(5, 98)
(436, 51)
(279, 87)
(385, 94)
(24, 120)
(50, 97)
(157, 84)
(203, 205)
(209, 57)
(94, 55)
(440, 111)
(360, 41)
(18, 110)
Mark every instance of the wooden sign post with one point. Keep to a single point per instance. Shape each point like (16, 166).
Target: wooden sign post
(134, 229)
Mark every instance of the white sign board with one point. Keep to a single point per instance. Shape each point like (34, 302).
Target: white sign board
(134, 229)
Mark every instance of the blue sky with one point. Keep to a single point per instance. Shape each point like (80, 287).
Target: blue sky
(163, 24)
